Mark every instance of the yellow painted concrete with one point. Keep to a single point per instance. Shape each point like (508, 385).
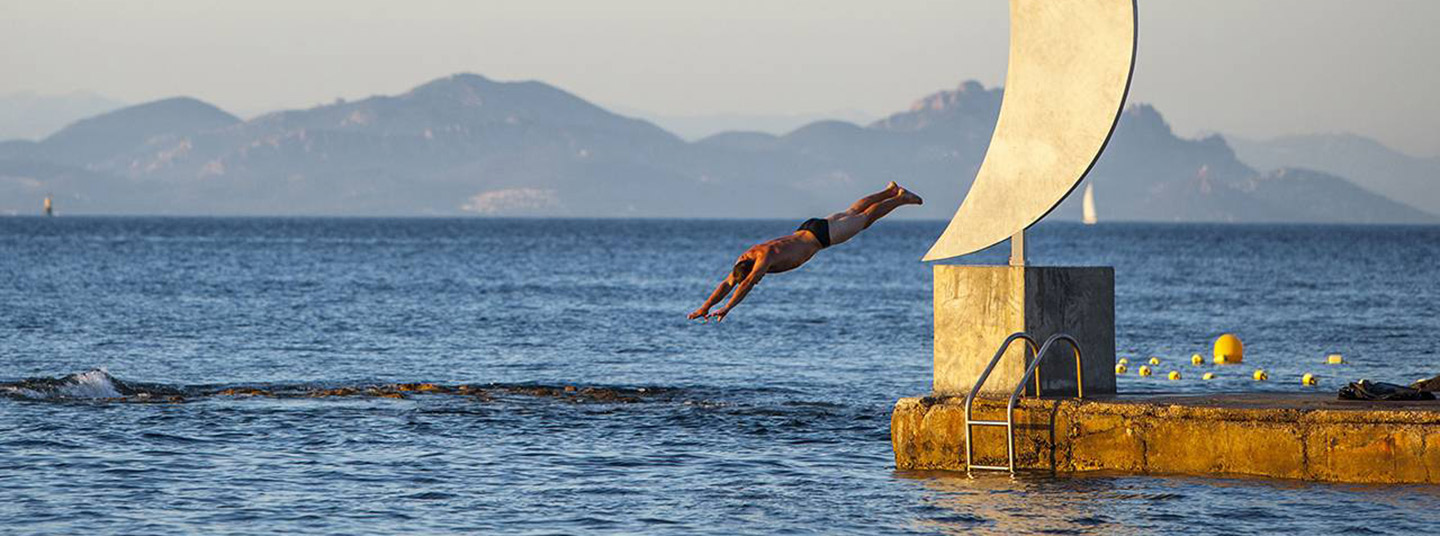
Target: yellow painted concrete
(1303, 436)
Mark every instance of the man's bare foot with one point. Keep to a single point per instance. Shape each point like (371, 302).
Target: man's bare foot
(910, 197)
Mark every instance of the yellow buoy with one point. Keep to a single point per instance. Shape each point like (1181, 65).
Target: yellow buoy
(1119, 368)
(1260, 375)
(1229, 350)
(1144, 370)
(1196, 359)
(1174, 375)
(1309, 379)
(1154, 361)
(1334, 359)
(1124, 361)
(1208, 376)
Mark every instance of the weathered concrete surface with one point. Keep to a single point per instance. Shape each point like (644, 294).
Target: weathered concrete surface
(977, 307)
(1302, 436)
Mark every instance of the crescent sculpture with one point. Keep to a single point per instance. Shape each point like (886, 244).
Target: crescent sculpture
(1070, 68)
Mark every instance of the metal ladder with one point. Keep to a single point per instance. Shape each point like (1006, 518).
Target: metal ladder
(1009, 422)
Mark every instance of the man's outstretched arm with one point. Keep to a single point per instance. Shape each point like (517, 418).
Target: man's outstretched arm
(756, 273)
(720, 291)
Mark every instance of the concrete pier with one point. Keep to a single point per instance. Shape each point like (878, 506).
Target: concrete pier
(1299, 436)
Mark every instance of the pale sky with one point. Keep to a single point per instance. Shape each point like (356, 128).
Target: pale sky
(1254, 68)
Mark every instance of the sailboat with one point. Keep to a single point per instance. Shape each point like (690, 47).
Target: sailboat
(1088, 205)
(49, 210)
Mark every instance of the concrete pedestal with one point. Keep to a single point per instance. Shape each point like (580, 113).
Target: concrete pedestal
(977, 307)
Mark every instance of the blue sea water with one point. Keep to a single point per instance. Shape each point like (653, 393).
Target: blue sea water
(161, 375)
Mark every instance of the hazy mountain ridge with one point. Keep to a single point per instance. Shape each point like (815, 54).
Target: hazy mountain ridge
(153, 126)
(1297, 187)
(1366, 162)
(467, 144)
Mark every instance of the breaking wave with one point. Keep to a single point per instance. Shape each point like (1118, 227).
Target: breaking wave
(93, 384)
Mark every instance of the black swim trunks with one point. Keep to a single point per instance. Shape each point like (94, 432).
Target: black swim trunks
(818, 227)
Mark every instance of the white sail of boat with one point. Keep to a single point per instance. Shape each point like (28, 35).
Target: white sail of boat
(1088, 205)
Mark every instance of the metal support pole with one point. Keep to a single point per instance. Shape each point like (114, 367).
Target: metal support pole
(1019, 254)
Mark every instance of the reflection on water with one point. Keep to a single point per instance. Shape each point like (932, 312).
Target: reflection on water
(998, 503)
(1107, 503)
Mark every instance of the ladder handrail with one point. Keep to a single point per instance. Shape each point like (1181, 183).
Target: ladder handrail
(1019, 388)
(1029, 371)
(975, 391)
(1079, 372)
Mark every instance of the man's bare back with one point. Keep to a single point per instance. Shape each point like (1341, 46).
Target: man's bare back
(792, 251)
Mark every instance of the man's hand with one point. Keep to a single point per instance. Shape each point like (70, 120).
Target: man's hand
(703, 312)
(720, 315)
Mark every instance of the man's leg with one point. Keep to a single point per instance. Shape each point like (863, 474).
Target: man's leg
(879, 210)
(845, 225)
(890, 190)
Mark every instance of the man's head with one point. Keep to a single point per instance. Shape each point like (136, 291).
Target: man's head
(741, 271)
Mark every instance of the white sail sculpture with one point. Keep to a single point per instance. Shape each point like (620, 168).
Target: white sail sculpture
(1069, 73)
(1087, 206)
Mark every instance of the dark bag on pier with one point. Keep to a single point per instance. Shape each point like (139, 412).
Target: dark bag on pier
(1427, 384)
(1368, 390)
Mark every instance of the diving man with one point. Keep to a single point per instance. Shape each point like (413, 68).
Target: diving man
(790, 252)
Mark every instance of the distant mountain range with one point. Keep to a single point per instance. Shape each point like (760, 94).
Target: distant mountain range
(466, 144)
(1402, 177)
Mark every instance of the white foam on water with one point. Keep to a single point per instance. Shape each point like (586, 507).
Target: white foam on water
(85, 385)
(93, 384)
